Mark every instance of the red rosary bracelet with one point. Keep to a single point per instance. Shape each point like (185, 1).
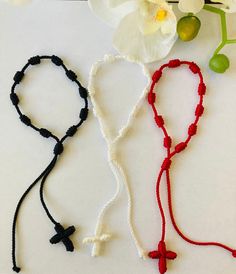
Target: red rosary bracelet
(161, 253)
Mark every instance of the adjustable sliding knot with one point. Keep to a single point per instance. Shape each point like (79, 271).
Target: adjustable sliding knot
(35, 60)
(194, 68)
(156, 76)
(14, 99)
(174, 63)
(58, 149)
(25, 119)
(159, 120)
(162, 255)
(180, 147)
(166, 164)
(18, 77)
(63, 236)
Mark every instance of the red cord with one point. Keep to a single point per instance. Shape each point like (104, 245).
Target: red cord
(192, 130)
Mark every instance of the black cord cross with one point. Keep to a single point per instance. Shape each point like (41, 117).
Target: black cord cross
(63, 236)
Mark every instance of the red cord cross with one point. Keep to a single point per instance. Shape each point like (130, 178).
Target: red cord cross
(162, 255)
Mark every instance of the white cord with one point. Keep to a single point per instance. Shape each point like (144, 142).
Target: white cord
(117, 170)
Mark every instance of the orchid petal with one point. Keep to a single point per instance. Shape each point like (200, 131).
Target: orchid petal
(193, 6)
(112, 11)
(139, 47)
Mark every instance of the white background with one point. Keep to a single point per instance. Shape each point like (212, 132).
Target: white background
(203, 177)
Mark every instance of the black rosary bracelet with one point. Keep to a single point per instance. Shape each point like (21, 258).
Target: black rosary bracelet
(62, 234)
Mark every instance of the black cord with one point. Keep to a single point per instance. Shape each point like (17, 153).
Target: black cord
(62, 234)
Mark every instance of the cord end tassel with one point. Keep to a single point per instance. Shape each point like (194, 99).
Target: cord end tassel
(16, 269)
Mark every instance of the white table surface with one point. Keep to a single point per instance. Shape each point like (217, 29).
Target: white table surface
(203, 177)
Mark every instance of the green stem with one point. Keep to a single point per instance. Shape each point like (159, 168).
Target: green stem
(231, 41)
(224, 33)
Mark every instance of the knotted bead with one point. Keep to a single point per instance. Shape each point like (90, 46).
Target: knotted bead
(35, 60)
(83, 114)
(180, 147)
(14, 98)
(192, 130)
(194, 68)
(199, 110)
(167, 142)
(83, 92)
(202, 89)
(18, 76)
(45, 133)
(56, 60)
(151, 98)
(71, 131)
(71, 75)
(156, 76)
(159, 120)
(26, 120)
(174, 63)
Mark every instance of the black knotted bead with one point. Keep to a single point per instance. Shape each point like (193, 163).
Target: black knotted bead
(56, 60)
(14, 98)
(83, 114)
(71, 131)
(45, 133)
(35, 60)
(18, 76)
(71, 75)
(58, 149)
(83, 92)
(25, 119)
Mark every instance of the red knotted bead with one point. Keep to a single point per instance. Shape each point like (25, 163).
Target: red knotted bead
(199, 110)
(174, 63)
(156, 76)
(151, 98)
(194, 68)
(159, 120)
(180, 147)
(202, 89)
(166, 164)
(167, 142)
(192, 130)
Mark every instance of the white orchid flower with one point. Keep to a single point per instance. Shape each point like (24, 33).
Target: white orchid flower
(194, 6)
(145, 29)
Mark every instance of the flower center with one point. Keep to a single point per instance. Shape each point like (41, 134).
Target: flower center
(161, 15)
